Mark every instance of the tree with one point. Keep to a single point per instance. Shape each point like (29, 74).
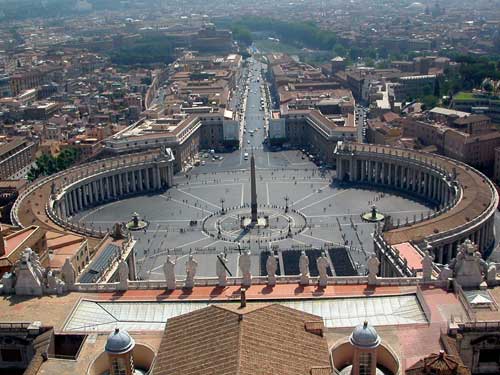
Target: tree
(242, 35)
(429, 101)
(47, 165)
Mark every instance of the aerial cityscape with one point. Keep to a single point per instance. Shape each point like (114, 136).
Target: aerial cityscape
(266, 188)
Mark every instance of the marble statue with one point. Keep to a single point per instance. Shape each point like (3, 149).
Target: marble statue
(445, 273)
(169, 272)
(123, 273)
(54, 284)
(68, 273)
(304, 268)
(220, 269)
(469, 269)
(323, 264)
(427, 267)
(191, 266)
(29, 274)
(245, 262)
(118, 232)
(491, 275)
(271, 267)
(373, 266)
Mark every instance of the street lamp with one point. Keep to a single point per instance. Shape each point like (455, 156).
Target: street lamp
(286, 203)
(222, 200)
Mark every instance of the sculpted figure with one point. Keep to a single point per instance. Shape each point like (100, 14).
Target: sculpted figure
(373, 265)
(304, 268)
(169, 272)
(271, 267)
(427, 267)
(191, 266)
(123, 273)
(220, 269)
(323, 264)
(245, 263)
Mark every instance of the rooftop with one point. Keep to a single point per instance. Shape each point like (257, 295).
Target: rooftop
(252, 340)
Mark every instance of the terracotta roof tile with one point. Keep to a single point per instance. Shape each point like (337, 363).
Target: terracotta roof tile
(219, 340)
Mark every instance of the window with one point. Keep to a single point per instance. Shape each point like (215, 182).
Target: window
(118, 367)
(11, 355)
(488, 356)
(365, 363)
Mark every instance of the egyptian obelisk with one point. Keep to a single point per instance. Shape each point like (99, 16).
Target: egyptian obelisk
(253, 187)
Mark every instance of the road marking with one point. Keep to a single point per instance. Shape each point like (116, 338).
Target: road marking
(186, 204)
(193, 242)
(302, 243)
(97, 210)
(308, 195)
(242, 193)
(211, 243)
(198, 198)
(322, 200)
(267, 190)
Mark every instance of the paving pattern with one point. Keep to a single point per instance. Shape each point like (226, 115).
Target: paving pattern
(176, 217)
(331, 211)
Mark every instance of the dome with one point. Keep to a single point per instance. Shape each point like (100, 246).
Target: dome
(119, 342)
(416, 5)
(365, 336)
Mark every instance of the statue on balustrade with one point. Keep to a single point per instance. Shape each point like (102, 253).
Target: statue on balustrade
(323, 264)
(271, 267)
(54, 284)
(123, 273)
(191, 266)
(68, 273)
(169, 272)
(469, 269)
(221, 269)
(373, 268)
(427, 265)
(245, 263)
(304, 268)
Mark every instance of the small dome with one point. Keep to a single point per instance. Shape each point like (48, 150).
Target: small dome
(365, 336)
(119, 342)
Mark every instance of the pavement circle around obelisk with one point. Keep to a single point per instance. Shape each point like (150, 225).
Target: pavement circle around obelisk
(274, 224)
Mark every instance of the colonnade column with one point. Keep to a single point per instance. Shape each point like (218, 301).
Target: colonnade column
(120, 183)
(148, 186)
(75, 201)
(158, 176)
(80, 200)
(69, 204)
(127, 182)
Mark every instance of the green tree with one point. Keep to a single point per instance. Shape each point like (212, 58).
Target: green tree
(47, 164)
(429, 101)
(242, 34)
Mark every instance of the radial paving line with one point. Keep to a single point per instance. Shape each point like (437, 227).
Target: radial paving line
(308, 195)
(185, 204)
(322, 200)
(198, 198)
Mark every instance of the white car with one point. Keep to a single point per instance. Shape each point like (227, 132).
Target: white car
(248, 141)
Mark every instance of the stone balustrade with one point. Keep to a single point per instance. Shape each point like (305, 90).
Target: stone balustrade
(87, 185)
(465, 199)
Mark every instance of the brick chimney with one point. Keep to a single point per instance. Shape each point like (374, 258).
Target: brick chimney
(243, 296)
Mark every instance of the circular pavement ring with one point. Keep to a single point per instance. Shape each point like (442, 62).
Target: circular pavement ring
(234, 225)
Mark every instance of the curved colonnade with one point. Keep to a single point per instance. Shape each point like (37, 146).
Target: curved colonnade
(466, 200)
(58, 197)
